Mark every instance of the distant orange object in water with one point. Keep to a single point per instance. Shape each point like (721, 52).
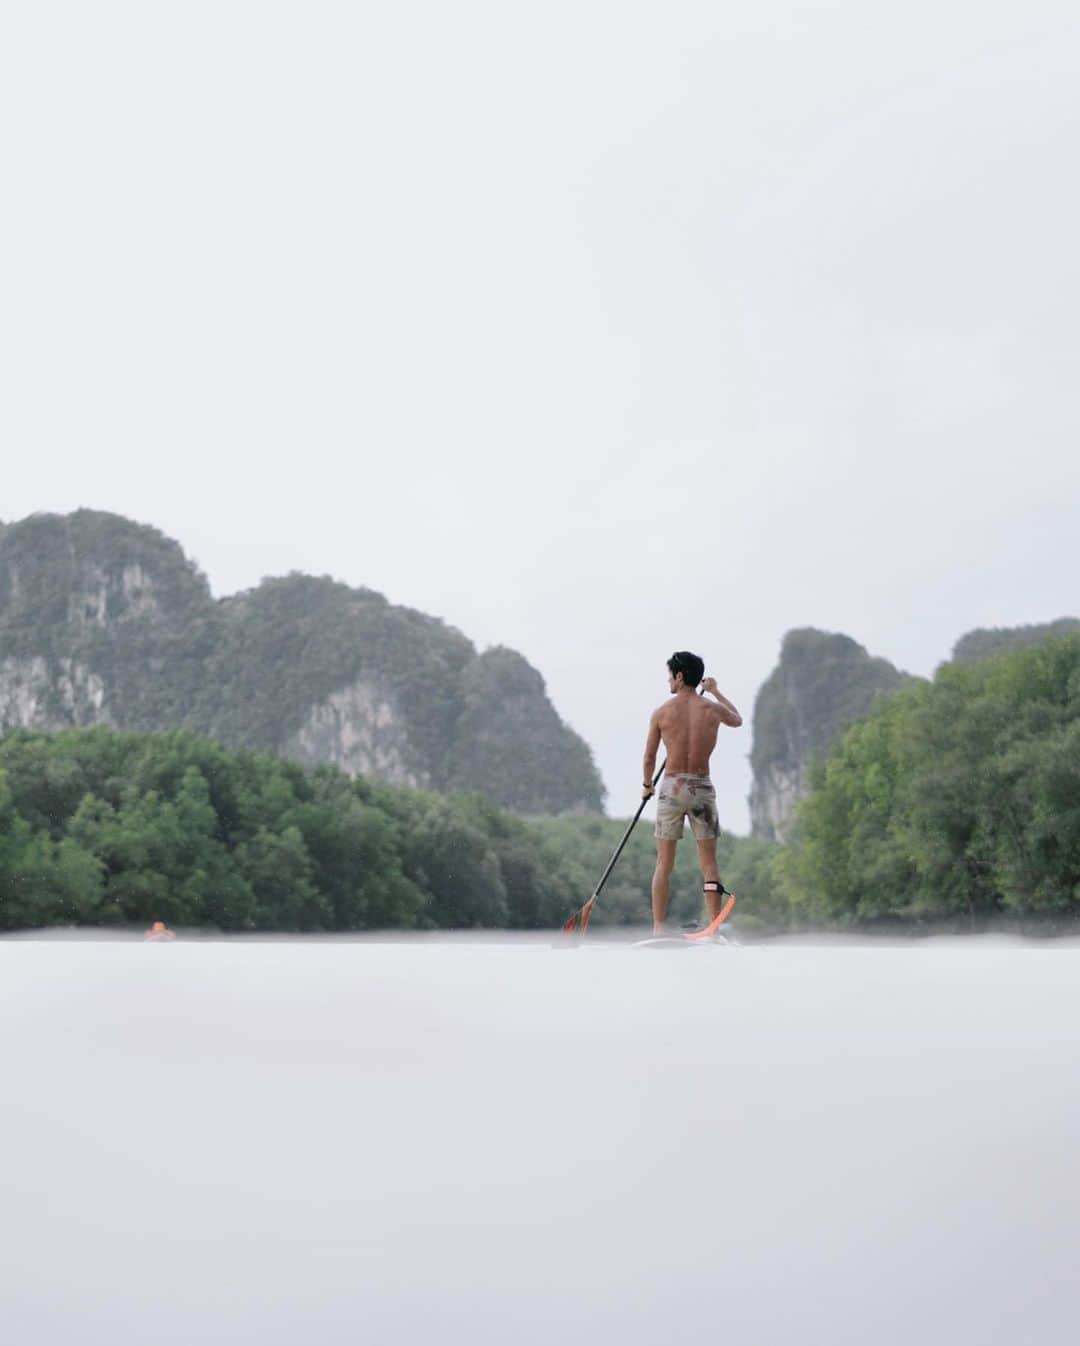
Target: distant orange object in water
(159, 930)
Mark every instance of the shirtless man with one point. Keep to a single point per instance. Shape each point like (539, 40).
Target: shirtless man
(688, 725)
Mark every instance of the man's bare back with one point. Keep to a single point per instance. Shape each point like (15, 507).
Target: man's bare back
(688, 726)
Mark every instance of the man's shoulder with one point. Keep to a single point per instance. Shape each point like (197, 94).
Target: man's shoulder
(675, 711)
(699, 708)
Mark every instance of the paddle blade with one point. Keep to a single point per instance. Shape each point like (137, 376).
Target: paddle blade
(579, 922)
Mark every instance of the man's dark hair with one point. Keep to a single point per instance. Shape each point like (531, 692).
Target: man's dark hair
(691, 666)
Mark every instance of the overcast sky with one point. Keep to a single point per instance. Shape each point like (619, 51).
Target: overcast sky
(597, 329)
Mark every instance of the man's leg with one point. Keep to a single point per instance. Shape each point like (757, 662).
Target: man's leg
(706, 854)
(661, 882)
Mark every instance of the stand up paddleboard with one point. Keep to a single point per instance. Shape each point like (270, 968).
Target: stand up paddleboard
(709, 938)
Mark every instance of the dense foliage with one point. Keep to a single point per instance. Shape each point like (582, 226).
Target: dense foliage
(111, 623)
(100, 828)
(954, 800)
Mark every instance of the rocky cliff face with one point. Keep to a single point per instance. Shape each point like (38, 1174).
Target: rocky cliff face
(103, 621)
(36, 692)
(822, 684)
(359, 728)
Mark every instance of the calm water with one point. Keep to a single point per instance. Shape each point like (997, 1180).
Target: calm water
(292, 1143)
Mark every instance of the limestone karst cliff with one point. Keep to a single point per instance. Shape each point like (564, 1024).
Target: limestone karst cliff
(985, 642)
(823, 683)
(105, 621)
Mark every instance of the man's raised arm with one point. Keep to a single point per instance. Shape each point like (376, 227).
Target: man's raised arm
(728, 713)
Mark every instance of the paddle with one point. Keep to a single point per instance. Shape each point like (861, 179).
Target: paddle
(580, 919)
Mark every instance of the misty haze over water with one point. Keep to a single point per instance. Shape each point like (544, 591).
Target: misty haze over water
(497, 1142)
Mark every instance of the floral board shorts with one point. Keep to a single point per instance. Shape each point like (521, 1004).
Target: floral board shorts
(686, 796)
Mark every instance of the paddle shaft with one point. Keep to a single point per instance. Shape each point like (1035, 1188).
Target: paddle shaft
(626, 835)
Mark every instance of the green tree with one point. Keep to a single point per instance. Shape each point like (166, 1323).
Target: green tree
(279, 871)
(953, 801)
